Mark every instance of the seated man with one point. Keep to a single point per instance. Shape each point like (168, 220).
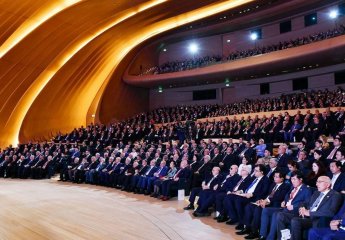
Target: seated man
(298, 194)
(252, 216)
(236, 203)
(336, 230)
(323, 203)
(209, 184)
(161, 172)
(208, 198)
(180, 178)
(240, 186)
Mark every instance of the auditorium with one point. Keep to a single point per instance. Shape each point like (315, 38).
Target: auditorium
(172, 119)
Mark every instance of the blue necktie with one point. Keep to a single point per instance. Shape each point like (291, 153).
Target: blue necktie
(252, 184)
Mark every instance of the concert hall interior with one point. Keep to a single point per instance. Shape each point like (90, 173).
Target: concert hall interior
(172, 119)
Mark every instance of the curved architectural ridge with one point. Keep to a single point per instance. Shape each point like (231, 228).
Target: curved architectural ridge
(57, 72)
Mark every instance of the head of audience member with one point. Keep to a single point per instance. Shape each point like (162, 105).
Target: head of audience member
(278, 177)
(172, 165)
(207, 158)
(215, 171)
(260, 161)
(318, 168)
(340, 155)
(281, 149)
(233, 170)
(183, 164)
(297, 179)
(152, 163)
(335, 167)
(229, 150)
(337, 142)
(144, 162)
(163, 164)
(317, 155)
(323, 184)
(259, 170)
(273, 163)
(246, 170)
(302, 155)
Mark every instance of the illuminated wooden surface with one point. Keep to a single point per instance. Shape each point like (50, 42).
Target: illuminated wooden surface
(47, 209)
(57, 63)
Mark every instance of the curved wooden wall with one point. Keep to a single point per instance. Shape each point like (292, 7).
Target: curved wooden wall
(61, 61)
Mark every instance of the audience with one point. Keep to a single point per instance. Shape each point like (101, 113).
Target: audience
(178, 66)
(261, 189)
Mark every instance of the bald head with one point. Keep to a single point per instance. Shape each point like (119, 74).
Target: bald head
(323, 183)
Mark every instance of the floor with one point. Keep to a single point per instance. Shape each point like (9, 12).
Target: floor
(48, 209)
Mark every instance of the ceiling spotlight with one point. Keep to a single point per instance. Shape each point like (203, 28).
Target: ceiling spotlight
(164, 50)
(253, 36)
(228, 40)
(160, 89)
(333, 14)
(193, 48)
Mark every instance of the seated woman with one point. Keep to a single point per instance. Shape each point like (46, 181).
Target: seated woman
(318, 169)
(158, 183)
(260, 148)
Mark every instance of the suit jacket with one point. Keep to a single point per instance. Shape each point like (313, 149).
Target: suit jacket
(339, 184)
(282, 161)
(302, 196)
(261, 189)
(329, 205)
(151, 172)
(278, 195)
(229, 183)
(183, 174)
(244, 184)
(162, 172)
(216, 181)
(229, 160)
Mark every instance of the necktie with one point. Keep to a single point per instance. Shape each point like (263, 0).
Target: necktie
(273, 191)
(331, 155)
(269, 173)
(316, 203)
(209, 183)
(178, 172)
(238, 184)
(251, 185)
(293, 193)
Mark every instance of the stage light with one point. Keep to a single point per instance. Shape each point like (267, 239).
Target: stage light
(333, 14)
(160, 89)
(253, 36)
(193, 48)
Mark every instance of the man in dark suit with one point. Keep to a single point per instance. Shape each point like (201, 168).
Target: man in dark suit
(323, 203)
(209, 184)
(217, 157)
(236, 203)
(273, 162)
(179, 180)
(240, 186)
(203, 171)
(208, 198)
(228, 160)
(298, 194)
(277, 192)
(142, 183)
(161, 172)
(282, 157)
(336, 231)
(337, 177)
